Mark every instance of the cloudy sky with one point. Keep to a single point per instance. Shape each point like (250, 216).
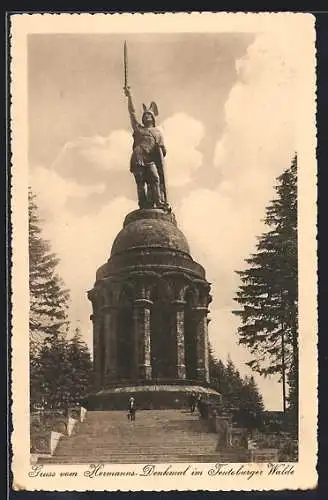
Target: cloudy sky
(227, 110)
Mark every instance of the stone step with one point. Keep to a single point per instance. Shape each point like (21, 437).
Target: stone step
(156, 436)
(143, 428)
(124, 441)
(100, 453)
(140, 446)
(147, 459)
(130, 459)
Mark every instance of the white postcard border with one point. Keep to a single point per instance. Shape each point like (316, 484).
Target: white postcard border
(304, 473)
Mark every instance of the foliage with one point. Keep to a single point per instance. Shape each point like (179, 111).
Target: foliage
(64, 372)
(60, 368)
(240, 396)
(284, 442)
(48, 297)
(268, 294)
(52, 374)
(81, 367)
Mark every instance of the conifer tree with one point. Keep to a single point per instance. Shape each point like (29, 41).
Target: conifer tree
(234, 385)
(240, 396)
(52, 376)
(80, 367)
(251, 400)
(268, 291)
(217, 372)
(48, 296)
(60, 369)
(48, 312)
(63, 373)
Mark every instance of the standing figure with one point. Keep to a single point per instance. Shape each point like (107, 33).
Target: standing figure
(147, 159)
(192, 402)
(132, 408)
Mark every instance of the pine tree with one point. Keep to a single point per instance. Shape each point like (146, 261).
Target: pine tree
(62, 373)
(234, 384)
(268, 293)
(80, 367)
(217, 372)
(251, 399)
(48, 310)
(240, 397)
(48, 297)
(52, 378)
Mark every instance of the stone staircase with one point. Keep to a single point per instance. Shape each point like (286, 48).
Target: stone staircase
(155, 436)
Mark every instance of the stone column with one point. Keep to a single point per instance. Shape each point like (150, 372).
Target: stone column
(110, 343)
(202, 369)
(177, 335)
(97, 369)
(141, 318)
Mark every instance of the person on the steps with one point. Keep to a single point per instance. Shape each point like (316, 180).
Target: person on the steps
(201, 406)
(192, 402)
(132, 408)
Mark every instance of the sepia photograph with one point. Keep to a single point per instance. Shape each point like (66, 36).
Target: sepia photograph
(167, 253)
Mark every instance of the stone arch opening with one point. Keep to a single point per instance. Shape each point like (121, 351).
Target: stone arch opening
(125, 335)
(162, 343)
(190, 333)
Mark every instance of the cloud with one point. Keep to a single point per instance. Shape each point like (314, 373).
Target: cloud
(260, 115)
(220, 221)
(97, 158)
(89, 158)
(44, 180)
(83, 243)
(182, 134)
(95, 170)
(108, 153)
(257, 144)
(221, 233)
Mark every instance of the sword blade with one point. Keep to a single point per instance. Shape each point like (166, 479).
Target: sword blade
(125, 64)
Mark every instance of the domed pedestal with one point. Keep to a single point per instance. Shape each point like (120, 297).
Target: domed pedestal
(150, 305)
(152, 396)
(150, 229)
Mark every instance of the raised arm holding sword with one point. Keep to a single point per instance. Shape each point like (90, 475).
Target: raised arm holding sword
(147, 159)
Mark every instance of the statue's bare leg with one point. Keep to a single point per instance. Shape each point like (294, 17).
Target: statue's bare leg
(154, 182)
(141, 188)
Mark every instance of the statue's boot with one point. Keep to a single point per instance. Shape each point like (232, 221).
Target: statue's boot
(157, 196)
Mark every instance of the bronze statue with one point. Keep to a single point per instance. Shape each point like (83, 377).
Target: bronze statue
(147, 159)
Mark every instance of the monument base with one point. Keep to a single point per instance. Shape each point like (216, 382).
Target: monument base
(148, 397)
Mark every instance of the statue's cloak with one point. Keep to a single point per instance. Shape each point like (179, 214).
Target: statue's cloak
(159, 161)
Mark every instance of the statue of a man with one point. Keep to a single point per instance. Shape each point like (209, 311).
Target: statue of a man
(147, 158)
